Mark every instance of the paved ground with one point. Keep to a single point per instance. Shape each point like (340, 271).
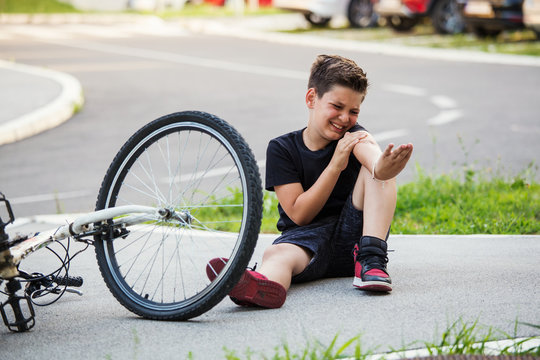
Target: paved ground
(438, 280)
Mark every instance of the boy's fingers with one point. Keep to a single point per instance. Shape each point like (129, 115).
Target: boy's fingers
(388, 150)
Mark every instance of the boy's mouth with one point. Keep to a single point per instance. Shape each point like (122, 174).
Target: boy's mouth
(338, 127)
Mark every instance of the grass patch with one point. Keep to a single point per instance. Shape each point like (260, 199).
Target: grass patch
(470, 203)
(35, 7)
(458, 338)
(209, 11)
(351, 349)
(473, 339)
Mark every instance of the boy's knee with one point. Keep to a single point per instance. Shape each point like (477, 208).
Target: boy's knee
(286, 252)
(292, 257)
(279, 251)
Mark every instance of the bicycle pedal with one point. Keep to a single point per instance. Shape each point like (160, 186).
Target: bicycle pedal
(20, 315)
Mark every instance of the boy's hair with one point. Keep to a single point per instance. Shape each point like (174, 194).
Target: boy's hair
(330, 70)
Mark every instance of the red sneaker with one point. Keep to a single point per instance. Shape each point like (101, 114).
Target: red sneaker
(370, 265)
(253, 289)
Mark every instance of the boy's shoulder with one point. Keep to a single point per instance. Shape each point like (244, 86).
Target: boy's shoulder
(286, 142)
(290, 136)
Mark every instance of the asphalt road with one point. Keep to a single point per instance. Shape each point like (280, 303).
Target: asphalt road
(453, 112)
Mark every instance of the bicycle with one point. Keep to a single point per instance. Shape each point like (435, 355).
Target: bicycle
(183, 189)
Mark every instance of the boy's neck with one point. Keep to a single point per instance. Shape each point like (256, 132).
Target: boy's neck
(313, 141)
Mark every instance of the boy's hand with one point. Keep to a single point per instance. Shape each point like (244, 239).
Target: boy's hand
(391, 162)
(345, 145)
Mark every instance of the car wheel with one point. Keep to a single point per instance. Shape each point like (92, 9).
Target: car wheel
(361, 15)
(447, 18)
(401, 23)
(317, 20)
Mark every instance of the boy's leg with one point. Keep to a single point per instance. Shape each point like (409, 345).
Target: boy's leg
(377, 200)
(253, 288)
(282, 261)
(268, 286)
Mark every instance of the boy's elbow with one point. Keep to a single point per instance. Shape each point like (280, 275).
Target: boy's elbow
(300, 223)
(301, 220)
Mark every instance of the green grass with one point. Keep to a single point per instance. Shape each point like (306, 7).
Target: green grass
(470, 203)
(35, 7)
(209, 11)
(459, 337)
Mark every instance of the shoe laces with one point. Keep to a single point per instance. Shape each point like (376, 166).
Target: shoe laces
(373, 261)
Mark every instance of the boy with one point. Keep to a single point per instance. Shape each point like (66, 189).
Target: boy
(336, 192)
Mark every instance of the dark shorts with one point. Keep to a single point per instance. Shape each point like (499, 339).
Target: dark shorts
(331, 240)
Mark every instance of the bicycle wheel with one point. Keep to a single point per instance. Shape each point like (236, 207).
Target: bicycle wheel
(198, 164)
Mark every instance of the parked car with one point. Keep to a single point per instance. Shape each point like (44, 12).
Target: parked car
(403, 15)
(319, 12)
(491, 17)
(531, 15)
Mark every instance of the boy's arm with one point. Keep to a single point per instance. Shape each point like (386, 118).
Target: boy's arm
(388, 163)
(302, 206)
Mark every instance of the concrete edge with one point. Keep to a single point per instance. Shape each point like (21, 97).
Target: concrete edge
(49, 116)
(489, 348)
(75, 18)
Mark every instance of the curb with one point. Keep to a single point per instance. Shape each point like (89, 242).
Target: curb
(75, 18)
(49, 116)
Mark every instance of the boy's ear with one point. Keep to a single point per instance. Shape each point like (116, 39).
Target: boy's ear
(310, 98)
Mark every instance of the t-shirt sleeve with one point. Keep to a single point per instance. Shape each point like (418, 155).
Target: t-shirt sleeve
(281, 167)
(357, 127)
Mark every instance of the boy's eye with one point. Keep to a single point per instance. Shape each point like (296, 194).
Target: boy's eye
(337, 106)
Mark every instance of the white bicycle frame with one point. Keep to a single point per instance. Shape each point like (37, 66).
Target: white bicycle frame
(12, 257)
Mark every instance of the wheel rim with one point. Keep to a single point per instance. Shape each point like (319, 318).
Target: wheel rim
(362, 13)
(449, 18)
(162, 268)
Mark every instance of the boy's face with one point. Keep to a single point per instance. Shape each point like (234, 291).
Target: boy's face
(332, 115)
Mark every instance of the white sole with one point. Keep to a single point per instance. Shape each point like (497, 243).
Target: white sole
(372, 285)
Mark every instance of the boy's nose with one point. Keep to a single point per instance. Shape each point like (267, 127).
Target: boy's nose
(343, 117)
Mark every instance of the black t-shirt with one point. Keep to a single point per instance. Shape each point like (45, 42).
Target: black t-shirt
(288, 160)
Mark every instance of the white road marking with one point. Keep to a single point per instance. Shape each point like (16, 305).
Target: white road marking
(392, 134)
(443, 102)
(187, 60)
(38, 32)
(445, 117)
(49, 197)
(405, 89)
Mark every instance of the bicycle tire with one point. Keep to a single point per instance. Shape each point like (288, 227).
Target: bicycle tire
(189, 161)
